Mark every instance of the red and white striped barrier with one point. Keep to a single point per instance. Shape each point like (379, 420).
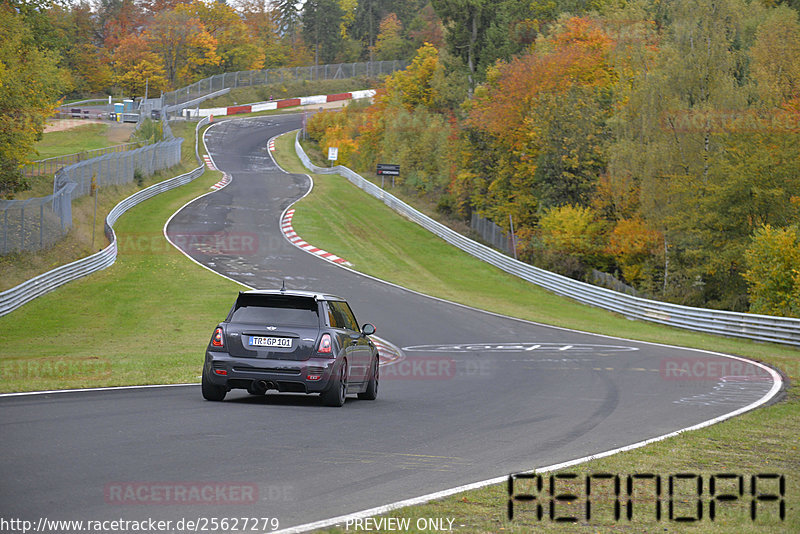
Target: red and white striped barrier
(296, 240)
(209, 163)
(272, 145)
(280, 104)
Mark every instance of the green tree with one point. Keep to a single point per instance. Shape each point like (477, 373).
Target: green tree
(670, 141)
(289, 19)
(321, 28)
(370, 13)
(29, 84)
(466, 23)
(481, 32)
(773, 271)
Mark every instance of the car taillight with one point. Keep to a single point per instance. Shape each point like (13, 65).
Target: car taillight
(217, 339)
(325, 344)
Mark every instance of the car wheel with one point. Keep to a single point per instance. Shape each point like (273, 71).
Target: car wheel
(337, 391)
(371, 392)
(212, 392)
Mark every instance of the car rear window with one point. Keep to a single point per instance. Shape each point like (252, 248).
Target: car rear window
(275, 310)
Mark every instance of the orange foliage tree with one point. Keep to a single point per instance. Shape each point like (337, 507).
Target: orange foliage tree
(539, 123)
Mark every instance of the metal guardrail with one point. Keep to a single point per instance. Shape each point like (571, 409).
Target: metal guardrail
(178, 108)
(15, 297)
(783, 330)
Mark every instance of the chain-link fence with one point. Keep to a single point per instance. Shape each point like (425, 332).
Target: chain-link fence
(37, 223)
(119, 168)
(249, 78)
(492, 234)
(51, 165)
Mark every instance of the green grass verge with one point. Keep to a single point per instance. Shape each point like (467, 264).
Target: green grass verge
(141, 321)
(382, 244)
(87, 137)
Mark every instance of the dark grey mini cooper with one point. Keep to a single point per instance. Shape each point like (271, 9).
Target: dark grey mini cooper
(291, 341)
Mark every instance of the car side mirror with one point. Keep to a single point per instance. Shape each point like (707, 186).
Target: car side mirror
(368, 329)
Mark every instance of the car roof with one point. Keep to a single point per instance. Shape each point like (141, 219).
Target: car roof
(292, 293)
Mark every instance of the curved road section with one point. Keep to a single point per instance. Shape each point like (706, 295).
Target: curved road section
(476, 395)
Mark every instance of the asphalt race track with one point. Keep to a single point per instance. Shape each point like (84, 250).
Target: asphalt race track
(477, 395)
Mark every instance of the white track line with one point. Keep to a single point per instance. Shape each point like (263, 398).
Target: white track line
(110, 388)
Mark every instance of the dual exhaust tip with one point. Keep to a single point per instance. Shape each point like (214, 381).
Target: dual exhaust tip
(259, 387)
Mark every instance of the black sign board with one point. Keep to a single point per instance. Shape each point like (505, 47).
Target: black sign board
(386, 169)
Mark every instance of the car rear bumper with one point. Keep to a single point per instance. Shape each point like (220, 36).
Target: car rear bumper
(284, 375)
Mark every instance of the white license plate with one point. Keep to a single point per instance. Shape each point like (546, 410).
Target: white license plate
(283, 342)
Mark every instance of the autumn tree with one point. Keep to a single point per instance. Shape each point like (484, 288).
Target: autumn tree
(82, 54)
(636, 248)
(137, 69)
(776, 56)
(426, 27)
(536, 128)
(182, 43)
(390, 43)
(235, 48)
(571, 240)
(119, 18)
(414, 86)
(30, 83)
(773, 271)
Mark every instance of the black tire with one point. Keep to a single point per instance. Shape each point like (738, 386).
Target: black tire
(371, 392)
(337, 392)
(213, 392)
